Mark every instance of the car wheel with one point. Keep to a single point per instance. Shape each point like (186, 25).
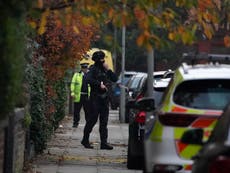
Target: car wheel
(133, 162)
(144, 171)
(144, 168)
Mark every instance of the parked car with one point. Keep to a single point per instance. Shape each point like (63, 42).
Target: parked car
(157, 75)
(137, 86)
(195, 98)
(168, 74)
(135, 155)
(134, 86)
(214, 157)
(116, 89)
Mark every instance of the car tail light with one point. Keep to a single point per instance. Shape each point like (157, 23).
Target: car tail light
(173, 119)
(140, 117)
(220, 165)
(167, 168)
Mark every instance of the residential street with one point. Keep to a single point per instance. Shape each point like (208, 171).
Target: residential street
(65, 154)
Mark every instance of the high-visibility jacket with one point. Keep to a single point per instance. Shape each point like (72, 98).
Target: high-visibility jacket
(76, 85)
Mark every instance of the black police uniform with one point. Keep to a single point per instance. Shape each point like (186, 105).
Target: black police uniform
(99, 102)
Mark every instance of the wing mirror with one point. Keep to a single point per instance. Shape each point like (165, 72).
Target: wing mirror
(145, 104)
(193, 136)
(134, 94)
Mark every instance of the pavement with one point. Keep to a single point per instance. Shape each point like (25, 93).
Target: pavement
(65, 154)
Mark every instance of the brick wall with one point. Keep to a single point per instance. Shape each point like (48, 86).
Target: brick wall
(15, 143)
(2, 139)
(3, 125)
(19, 141)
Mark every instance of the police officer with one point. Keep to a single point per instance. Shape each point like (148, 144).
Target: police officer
(80, 91)
(99, 77)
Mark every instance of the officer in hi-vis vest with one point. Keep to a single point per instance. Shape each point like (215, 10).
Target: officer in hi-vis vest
(80, 91)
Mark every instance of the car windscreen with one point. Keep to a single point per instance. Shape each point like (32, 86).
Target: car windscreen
(203, 94)
(157, 77)
(157, 94)
(125, 80)
(135, 83)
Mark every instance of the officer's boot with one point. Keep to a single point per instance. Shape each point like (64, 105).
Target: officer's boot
(85, 142)
(106, 146)
(104, 143)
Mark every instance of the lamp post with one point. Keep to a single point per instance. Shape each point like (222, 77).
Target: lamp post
(122, 95)
(150, 62)
(114, 49)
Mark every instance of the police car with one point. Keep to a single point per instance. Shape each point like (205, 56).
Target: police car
(194, 98)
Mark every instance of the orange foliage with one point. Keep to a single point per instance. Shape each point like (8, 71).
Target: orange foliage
(207, 15)
(63, 38)
(204, 4)
(139, 13)
(227, 41)
(63, 44)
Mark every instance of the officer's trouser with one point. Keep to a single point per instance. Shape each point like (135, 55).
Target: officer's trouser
(99, 107)
(84, 102)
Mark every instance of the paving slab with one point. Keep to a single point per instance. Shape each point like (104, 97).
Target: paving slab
(65, 154)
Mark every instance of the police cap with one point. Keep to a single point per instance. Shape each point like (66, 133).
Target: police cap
(84, 65)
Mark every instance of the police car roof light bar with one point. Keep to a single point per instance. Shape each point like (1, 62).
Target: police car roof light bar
(185, 67)
(210, 58)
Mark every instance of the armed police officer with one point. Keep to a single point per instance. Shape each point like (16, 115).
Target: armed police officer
(99, 77)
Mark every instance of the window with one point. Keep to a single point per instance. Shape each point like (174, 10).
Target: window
(135, 82)
(157, 95)
(203, 94)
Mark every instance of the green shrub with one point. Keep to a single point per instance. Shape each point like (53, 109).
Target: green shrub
(44, 122)
(27, 120)
(35, 77)
(13, 32)
(60, 102)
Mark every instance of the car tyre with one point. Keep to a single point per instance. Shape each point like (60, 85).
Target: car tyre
(144, 168)
(131, 163)
(134, 162)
